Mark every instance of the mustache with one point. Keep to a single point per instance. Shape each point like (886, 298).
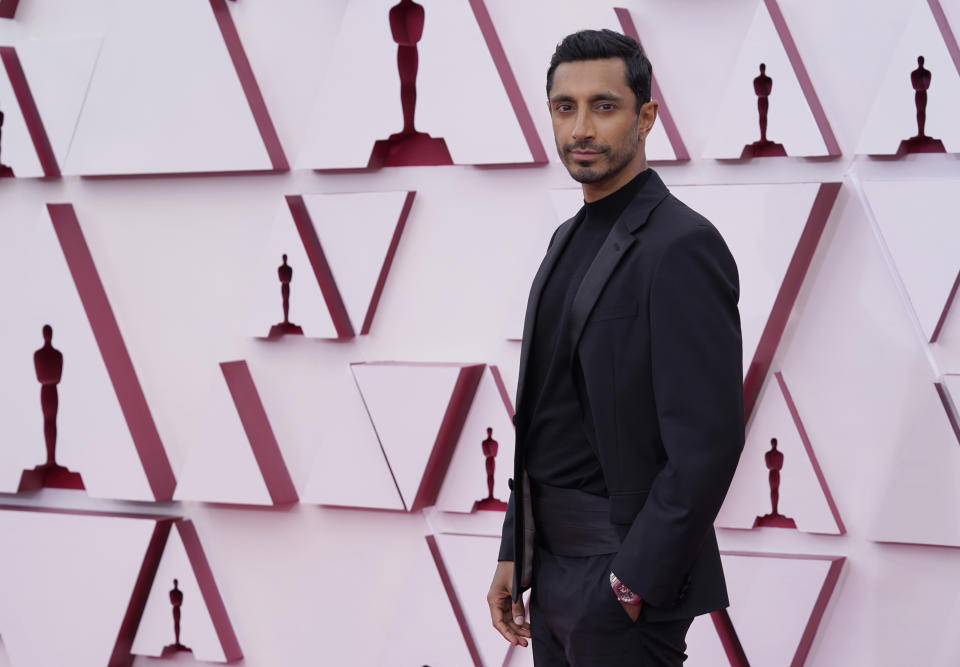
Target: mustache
(569, 148)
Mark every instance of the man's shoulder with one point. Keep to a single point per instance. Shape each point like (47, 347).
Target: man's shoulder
(672, 221)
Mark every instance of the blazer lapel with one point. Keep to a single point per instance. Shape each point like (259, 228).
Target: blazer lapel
(533, 301)
(620, 238)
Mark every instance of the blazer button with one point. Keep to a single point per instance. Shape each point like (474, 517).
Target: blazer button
(510, 483)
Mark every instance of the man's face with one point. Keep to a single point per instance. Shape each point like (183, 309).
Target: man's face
(595, 123)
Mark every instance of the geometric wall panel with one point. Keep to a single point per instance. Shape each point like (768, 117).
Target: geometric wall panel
(104, 427)
(26, 146)
(893, 117)
(340, 248)
(777, 602)
(159, 106)
(239, 460)
(425, 594)
(803, 495)
(71, 586)
(923, 241)
(205, 627)
(795, 117)
(772, 231)
(59, 74)
(465, 485)
(418, 411)
(464, 563)
(457, 37)
(350, 469)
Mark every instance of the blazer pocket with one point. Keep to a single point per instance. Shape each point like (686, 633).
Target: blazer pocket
(614, 311)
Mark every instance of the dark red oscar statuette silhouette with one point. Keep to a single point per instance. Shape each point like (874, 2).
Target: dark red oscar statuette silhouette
(762, 86)
(4, 169)
(774, 461)
(48, 364)
(490, 447)
(285, 273)
(408, 147)
(176, 601)
(920, 80)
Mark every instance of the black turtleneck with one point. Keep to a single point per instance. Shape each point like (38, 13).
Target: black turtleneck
(557, 452)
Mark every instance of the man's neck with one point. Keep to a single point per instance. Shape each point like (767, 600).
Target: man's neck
(594, 191)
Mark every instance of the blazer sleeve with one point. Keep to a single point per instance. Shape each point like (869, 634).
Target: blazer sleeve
(697, 374)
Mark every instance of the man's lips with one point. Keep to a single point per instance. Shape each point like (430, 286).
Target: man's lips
(583, 155)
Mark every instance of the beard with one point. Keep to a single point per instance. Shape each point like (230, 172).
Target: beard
(608, 162)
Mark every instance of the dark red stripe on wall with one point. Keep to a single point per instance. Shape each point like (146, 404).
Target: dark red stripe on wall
(121, 656)
(387, 262)
(8, 8)
(787, 296)
(116, 358)
(803, 78)
(944, 25)
(249, 84)
(256, 425)
(509, 81)
(946, 309)
(209, 591)
(447, 436)
(321, 268)
(454, 601)
(729, 639)
(28, 108)
(663, 113)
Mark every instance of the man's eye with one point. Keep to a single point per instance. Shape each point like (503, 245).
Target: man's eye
(564, 107)
(606, 106)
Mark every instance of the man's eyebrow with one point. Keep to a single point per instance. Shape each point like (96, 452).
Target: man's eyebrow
(599, 97)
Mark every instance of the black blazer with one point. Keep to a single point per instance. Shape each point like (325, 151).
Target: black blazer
(657, 364)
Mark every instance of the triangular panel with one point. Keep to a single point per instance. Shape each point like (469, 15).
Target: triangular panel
(158, 105)
(457, 37)
(350, 469)
(465, 484)
(63, 568)
(795, 119)
(22, 126)
(418, 411)
(105, 430)
(802, 493)
(793, 589)
(239, 461)
(925, 246)
(893, 117)
(205, 627)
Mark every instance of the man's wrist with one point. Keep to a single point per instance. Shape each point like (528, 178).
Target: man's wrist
(623, 593)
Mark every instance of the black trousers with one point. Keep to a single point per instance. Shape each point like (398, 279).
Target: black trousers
(575, 618)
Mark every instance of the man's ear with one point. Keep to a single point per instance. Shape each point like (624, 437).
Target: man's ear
(647, 117)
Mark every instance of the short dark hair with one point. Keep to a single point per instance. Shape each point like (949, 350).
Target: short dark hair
(599, 44)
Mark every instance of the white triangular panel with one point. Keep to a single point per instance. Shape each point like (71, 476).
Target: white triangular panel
(355, 231)
(789, 119)
(93, 438)
(16, 148)
(165, 97)
(893, 116)
(197, 630)
(70, 578)
(470, 561)
(801, 496)
(422, 597)
(406, 404)
(221, 466)
(59, 73)
(350, 469)
(308, 309)
(925, 246)
(764, 589)
(451, 45)
(466, 478)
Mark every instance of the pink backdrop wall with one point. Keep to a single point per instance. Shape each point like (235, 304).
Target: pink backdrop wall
(317, 505)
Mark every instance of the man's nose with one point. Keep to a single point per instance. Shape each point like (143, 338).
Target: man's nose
(582, 127)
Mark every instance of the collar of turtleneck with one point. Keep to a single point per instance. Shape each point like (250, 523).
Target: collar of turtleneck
(607, 209)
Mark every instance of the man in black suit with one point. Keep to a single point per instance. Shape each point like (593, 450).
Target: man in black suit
(629, 420)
